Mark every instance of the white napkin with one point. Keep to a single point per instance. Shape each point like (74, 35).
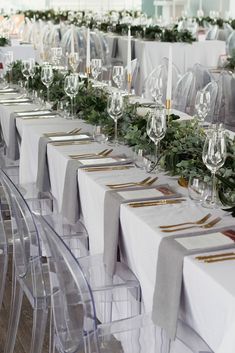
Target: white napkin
(100, 161)
(35, 113)
(69, 137)
(204, 241)
(137, 194)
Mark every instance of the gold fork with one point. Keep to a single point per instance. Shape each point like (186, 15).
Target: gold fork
(103, 153)
(121, 185)
(200, 221)
(205, 226)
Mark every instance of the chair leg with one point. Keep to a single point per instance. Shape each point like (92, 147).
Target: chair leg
(38, 329)
(14, 317)
(3, 273)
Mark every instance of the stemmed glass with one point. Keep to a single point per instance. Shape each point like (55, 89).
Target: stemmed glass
(8, 61)
(156, 87)
(56, 55)
(71, 86)
(214, 156)
(115, 110)
(202, 104)
(118, 76)
(26, 71)
(74, 61)
(96, 68)
(47, 77)
(156, 129)
(32, 69)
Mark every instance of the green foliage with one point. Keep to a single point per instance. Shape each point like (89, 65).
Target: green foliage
(4, 41)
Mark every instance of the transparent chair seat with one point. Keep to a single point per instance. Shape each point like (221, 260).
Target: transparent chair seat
(75, 320)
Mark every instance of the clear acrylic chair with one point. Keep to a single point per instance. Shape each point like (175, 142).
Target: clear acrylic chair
(76, 325)
(30, 277)
(230, 44)
(5, 244)
(213, 32)
(116, 296)
(182, 90)
(212, 88)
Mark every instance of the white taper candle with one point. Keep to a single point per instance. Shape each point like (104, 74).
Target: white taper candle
(72, 39)
(169, 80)
(88, 52)
(129, 56)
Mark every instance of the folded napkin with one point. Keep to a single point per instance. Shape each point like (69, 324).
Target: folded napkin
(169, 274)
(112, 202)
(15, 100)
(13, 148)
(35, 113)
(114, 48)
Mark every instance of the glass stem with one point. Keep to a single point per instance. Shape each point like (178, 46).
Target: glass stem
(48, 94)
(115, 136)
(156, 150)
(213, 195)
(71, 106)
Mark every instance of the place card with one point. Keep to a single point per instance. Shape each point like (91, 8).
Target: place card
(204, 241)
(154, 192)
(69, 137)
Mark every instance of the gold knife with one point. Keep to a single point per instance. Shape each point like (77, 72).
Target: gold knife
(155, 203)
(102, 169)
(208, 257)
(220, 259)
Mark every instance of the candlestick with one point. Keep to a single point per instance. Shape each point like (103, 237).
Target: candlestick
(221, 7)
(200, 5)
(173, 9)
(169, 80)
(129, 59)
(88, 53)
(72, 40)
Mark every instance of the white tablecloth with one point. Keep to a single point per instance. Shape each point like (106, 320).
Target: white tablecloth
(20, 52)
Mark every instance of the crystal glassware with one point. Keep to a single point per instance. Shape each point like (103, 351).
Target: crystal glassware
(156, 128)
(214, 156)
(118, 76)
(96, 68)
(47, 78)
(115, 110)
(202, 104)
(26, 71)
(74, 60)
(71, 86)
(8, 62)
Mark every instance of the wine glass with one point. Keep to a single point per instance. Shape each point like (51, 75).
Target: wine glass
(118, 76)
(71, 86)
(202, 104)
(214, 156)
(8, 61)
(74, 61)
(47, 78)
(32, 70)
(56, 55)
(156, 128)
(115, 110)
(26, 70)
(156, 87)
(96, 68)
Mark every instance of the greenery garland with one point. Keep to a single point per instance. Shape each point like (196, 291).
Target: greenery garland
(181, 149)
(4, 41)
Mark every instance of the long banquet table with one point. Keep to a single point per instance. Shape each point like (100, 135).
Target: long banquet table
(208, 299)
(150, 54)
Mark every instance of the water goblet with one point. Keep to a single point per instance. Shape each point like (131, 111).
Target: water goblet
(71, 86)
(156, 129)
(202, 104)
(74, 60)
(47, 78)
(214, 156)
(115, 110)
(118, 76)
(96, 68)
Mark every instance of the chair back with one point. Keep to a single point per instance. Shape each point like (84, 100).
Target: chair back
(26, 245)
(72, 301)
(212, 88)
(230, 44)
(182, 90)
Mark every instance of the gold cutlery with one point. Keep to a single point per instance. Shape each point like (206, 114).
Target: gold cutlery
(205, 226)
(61, 133)
(103, 153)
(200, 221)
(142, 182)
(37, 117)
(214, 256)
(155, 203)
(104, 169)
(68, 143)
(220, 259)
(150, 182)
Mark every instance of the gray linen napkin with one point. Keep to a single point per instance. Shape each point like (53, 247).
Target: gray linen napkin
(70, 200)
(112, 203)
(114, 48)
(13, 148)
(43, 178)
(169, 279)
